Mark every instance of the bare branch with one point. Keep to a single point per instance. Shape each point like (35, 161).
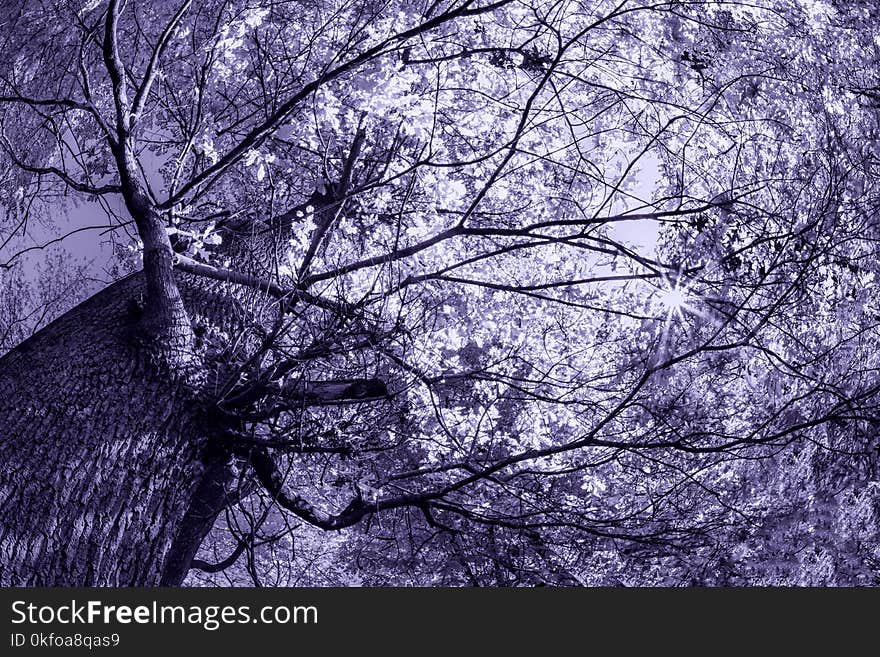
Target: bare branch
(143, 91)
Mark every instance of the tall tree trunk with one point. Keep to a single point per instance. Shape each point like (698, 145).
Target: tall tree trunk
(101, 453)
(112, 461)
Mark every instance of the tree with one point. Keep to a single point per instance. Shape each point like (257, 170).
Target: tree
(533, 292)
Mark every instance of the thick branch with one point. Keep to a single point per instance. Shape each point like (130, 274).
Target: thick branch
(47, 102)
(66, 178)
(116, 69)
(279, 292)
(229, 276)
(166, 316)
(270, 478)
(329, 392)
(298, 392)
(206, 567)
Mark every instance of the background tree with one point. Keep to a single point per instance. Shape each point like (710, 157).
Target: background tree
(521, 293)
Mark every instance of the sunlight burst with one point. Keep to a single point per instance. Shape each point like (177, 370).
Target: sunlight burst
(679, 300)
(674, 298)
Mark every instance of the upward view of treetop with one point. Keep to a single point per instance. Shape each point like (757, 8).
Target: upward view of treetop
(465, 292)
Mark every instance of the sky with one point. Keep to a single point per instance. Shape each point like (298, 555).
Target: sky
(86, 246)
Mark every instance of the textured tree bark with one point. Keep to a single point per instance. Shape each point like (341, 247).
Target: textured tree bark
(101, 450)
(112, 462)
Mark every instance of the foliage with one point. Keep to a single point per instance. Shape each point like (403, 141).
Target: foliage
(614, 262)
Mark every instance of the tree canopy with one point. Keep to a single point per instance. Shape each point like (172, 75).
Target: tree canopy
(571, 292)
